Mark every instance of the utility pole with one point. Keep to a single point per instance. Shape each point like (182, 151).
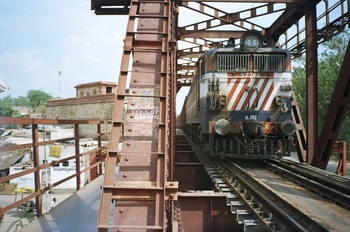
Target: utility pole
(59, 83)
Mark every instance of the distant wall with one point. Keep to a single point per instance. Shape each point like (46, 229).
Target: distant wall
(92, 107)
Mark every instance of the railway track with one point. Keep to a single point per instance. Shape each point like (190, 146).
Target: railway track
(279, 195)
(333, 187)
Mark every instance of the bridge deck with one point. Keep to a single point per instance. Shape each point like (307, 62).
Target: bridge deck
(77, 213)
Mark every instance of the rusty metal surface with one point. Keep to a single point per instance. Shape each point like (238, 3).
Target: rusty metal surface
(205, 212)
(140, 139)
(311, 80)
(199, 207)
(296, 25)
(340, 147)
(300, 134)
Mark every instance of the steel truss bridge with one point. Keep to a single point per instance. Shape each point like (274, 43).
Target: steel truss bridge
(162, 42)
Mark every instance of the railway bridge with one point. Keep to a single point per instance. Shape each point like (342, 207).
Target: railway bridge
(157, 180)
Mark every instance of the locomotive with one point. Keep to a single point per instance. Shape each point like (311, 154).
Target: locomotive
(239, 103)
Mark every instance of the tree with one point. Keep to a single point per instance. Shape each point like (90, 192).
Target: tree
(329, 64)
(37, 98)
(21, 101)
(6, 107)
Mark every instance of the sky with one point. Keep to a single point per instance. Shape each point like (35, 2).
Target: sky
(40, 38)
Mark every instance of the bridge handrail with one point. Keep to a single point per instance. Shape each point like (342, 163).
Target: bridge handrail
(95, 166)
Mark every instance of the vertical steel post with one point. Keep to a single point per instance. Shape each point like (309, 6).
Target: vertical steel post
(38, 199)
(77, 154)
(344, 158)
(311, 79)
(99, 155)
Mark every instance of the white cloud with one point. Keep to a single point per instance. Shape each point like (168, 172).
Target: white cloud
(92, 56)
(23, 70)
(52, 37)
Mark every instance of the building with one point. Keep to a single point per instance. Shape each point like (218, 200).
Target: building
(93, 101)
(16, 161)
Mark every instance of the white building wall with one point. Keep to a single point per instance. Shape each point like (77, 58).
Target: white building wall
(60, 172)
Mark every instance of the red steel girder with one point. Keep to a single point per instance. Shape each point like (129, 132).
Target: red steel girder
(300, 135)
(286, 20)
(142, 125)
(206, 212)
(311, 80)
(338, 107)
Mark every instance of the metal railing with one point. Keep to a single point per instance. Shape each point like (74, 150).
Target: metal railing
(94, 166)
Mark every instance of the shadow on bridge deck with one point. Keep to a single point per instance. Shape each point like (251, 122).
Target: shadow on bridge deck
(77, 213)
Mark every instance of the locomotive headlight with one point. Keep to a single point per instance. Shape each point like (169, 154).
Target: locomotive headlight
(251, 41)
(222, 127)
(288, 127)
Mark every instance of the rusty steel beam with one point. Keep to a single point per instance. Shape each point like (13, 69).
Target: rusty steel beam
(311, 80)
(143, 148)
(288, 18)
(227, 18)
(201, 211)
(212, 34)
(38, 199)
(300, 135)
(110, 7)
(77, 152)
(337, 110)
(141, 140)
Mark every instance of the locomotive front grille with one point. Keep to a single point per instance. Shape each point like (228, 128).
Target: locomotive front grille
(268, 63)
(240, 63)
(232, 62)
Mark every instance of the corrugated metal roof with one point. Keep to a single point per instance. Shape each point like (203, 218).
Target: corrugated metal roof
(8, 158)
(2, 86)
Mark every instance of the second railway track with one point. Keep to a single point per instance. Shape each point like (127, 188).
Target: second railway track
(279, 195)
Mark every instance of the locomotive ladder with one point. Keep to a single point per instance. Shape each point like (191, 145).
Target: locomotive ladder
(137, 191)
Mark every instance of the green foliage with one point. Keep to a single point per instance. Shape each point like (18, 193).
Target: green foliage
(299, 84)
(37, 98)
(6, 110)
(21, 101)
(34, 99)
(329, 64)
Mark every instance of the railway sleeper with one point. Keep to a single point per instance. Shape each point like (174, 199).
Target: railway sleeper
(229, 185)
(231, 197)
(237, 205)
(244, 214)
(253, 226)
(242, 210)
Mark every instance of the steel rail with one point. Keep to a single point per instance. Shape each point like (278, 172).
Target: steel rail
(256, 197)
(284, 213)
(332, 180)
(320, 184)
